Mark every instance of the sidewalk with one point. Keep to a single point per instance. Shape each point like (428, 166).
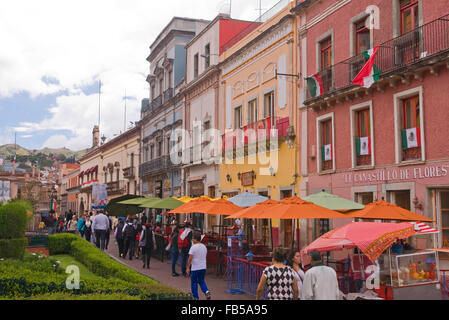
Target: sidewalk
(161, 271)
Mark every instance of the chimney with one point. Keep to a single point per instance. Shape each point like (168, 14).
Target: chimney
(96, 136)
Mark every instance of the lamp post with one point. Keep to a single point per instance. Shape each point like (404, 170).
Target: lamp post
(53, 197)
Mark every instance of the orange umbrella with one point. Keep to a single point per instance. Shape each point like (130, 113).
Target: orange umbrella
(255, 211)
(206, 206)
(186, 208)
(383, 210)
(296, 208)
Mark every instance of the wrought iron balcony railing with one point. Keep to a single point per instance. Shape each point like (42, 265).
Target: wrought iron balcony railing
(168, 94)
(156, 165)
(116, 187)
(393, 56)
(128, 173)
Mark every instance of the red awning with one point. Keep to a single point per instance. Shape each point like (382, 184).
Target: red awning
(81, 174)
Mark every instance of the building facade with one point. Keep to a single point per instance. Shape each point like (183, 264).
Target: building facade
(257, 102)
(164, 114)
(384, 142)
(201, 175)
(114, 163)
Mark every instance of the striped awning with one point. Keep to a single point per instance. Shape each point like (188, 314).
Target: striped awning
(422, 228)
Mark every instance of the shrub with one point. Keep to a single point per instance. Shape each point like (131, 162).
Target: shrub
(13, 221)
(61, 243)
(13, 248)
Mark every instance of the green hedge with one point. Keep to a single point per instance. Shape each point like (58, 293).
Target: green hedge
(61, 243)
(13, 221)
(102, 265)
(13, 248)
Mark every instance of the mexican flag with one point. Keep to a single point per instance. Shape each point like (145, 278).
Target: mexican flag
(411, 138)
(363, 146)
(315, 85)
(52, 206)
(326, 153)
(370, 73)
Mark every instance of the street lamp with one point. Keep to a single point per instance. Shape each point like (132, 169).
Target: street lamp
(53, 198)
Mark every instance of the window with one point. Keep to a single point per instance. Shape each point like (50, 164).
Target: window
(168, 145)
(153, 94)
(132, 160)
(161, 86)
(400, 198)
(105, 177)
(268, 110)
(238, 123)
(364, 198)
(409, 15)
(326, 62)
(411, 131)
(443, 199)
(363, 137)
(169, 79)
(252, 111)
(159, 149)
(207, 56)
(118, 173)
(135, 187)
(152, 152)
(195, 66)
(326, 145)
(362, 37)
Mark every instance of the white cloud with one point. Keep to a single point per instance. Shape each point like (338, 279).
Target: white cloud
(78, 42)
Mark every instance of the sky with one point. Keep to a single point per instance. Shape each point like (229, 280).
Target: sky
(53, 54)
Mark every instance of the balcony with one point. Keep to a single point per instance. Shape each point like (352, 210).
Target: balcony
(168, 94)
(156, 103)
(128, 173)
(262, 132)
(403, 54)
(156, 165)
(116, 187)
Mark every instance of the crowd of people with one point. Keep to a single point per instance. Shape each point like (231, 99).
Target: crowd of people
(137, 238)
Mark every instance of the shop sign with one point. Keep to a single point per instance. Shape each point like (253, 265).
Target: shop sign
(197, 188)
(398, 174)
(247, 179)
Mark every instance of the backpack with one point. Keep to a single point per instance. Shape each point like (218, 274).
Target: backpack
(130, 232)
(183, 243)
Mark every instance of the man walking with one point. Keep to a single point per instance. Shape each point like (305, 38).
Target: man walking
(174, 250)
(108, 232)
(320, 281)
(129, 233)
(100, 226)
(51, 222)
(196, 267)
(184, 244)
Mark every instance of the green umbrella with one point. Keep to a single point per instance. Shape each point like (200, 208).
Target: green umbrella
(137, 201)
(114, 208)
(333, 202)
(168, 203)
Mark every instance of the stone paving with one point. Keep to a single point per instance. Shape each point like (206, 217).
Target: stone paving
(161, 271)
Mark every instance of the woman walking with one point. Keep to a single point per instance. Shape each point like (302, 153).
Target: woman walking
(279, 279)
(294, 262)
(88, 228)
(119, 237)
(72, 225)
(147, 244)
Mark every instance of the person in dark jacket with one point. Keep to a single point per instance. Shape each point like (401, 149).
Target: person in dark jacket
(120, 237)
(129, 233)
(174, 250)
(88, 228)
(147, 244)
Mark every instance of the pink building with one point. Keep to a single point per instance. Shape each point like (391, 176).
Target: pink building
(388, 141)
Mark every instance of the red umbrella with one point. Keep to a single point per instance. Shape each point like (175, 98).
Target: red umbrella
(370, 237)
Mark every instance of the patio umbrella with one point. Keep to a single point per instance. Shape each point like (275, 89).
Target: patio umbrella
(167, 203)
(296, 208)
(255, 211)
(206, 206)
(333, 202)
(187, 207)
(247, 199)
(115, 209)
(184, 199)
(136, 201)
(383, 210)
(370, 237)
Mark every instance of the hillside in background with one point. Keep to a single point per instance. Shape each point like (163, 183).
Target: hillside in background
(8, 150)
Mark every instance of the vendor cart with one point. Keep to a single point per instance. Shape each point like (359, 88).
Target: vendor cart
(410, 276)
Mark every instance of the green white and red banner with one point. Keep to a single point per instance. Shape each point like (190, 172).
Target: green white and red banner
(370, 73)
(326, 153)
(411, 138)
(316, 85)
(363, 146)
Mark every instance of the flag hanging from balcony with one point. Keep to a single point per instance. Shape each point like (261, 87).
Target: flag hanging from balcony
(53, 206)
(363, 146)
(326, 153)
(316, 85)
(411, 138)
(370, 73)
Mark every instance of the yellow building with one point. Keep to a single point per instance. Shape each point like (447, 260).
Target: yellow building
(259, 82)
(114, 163)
